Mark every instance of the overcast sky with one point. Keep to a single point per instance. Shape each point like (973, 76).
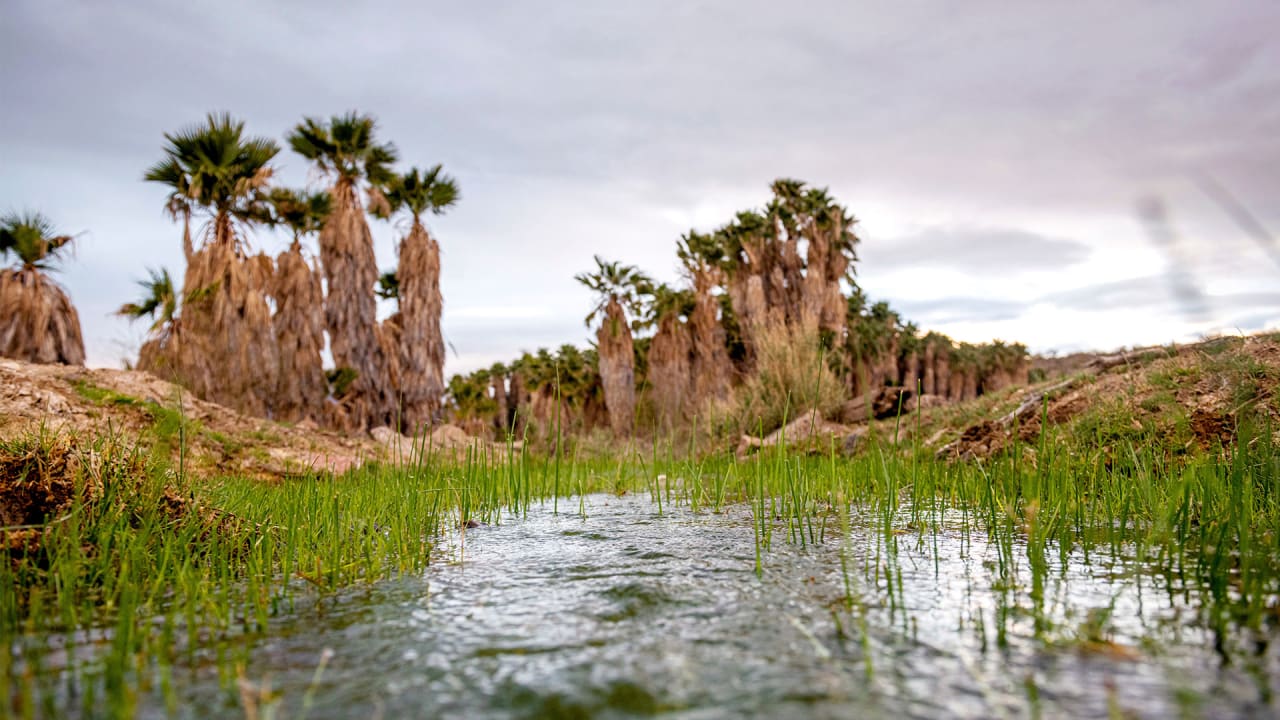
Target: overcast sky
(997, 155)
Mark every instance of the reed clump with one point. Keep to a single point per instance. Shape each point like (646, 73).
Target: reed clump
(792, 375)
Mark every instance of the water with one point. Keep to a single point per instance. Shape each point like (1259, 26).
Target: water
(630, 613)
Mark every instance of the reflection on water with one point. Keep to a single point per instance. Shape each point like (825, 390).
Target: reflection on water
(628, 613)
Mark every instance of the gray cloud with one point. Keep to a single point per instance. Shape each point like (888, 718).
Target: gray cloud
(975, 250)
(1153, 292)
(575, 129)
(953, 309)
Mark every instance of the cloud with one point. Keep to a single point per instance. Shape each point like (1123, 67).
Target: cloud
(984, 251)
(610, 129)
(952, 309)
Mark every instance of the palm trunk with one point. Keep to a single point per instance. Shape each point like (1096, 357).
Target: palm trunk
(38, 323)
(711, 369)
(670, 365)
(617, 368)
(911, 372)
(502, 417)
(421, 346)
(929, 375)
(230, 354)
(942, 374)
(355, 338)
(299, 332)
(955, 391)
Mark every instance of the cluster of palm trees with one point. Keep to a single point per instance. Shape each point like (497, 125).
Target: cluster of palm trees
(248, 330)
(787, 265)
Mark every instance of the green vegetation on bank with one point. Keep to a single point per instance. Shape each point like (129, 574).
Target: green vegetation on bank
(123, 571)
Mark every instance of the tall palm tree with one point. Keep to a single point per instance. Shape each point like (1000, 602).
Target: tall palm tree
(298, 322)
(619, 289)
(38, 323)
(417, 284)
(228, 350)
(345, 149)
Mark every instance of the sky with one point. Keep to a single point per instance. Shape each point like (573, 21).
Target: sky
(1083, 175)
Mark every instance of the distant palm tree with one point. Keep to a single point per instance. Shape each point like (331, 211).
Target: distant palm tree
(345, 149)
(159, 302)
(417, 289)
(619, 289)
(228, 350)
(298, 321)
(38, 323)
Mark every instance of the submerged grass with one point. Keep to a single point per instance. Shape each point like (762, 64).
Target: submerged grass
(144, 571)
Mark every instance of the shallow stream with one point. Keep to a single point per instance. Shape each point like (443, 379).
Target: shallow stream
(626, 612)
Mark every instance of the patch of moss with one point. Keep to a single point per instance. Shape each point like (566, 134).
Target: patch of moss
(102, 396)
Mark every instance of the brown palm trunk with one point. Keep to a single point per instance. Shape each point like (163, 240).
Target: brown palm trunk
(711, 369)
(299, 332)
(955, 391)
(230, 355)
(38, 323)
(1022, 372)
(942, 374)
(617, 368)
(421, 344)
(355, 338)
(911, 372)
(670, 364)
(929, 376)
(502, 416)
(518, 403)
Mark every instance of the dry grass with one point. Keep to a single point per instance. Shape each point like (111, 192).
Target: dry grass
(792, 376)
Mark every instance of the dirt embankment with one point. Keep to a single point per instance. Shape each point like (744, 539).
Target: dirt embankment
(90, 403)
(1186, 398)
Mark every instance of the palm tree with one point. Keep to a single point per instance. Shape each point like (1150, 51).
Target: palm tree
(619, 289)
(298, 322)
(159, 302)
(417, 286)
(228, 349)
(38, 323)
(344, 148)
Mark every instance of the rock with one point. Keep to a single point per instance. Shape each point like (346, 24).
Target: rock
(853, 441)
(389, 437)
(923, 402)
(808, 432)
(884, 403)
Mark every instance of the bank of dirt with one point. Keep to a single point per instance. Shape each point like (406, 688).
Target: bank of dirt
(1200, 397)
(208, 439)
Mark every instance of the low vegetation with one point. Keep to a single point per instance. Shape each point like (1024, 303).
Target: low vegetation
(140, 570)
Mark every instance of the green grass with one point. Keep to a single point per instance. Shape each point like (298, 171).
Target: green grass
(163, 583)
